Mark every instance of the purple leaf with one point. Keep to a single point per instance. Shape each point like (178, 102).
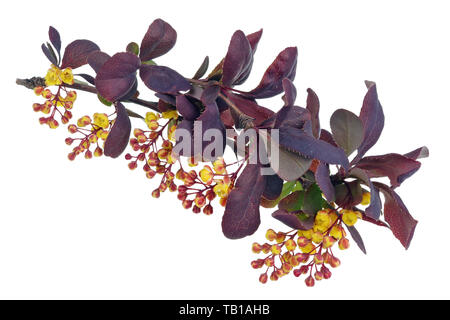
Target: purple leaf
(250, 107)
(347, 129)
(292, 116)
(254, 38)
(397, 215)
(327, 137)
(163, 79)
(189, 127)
(117, 139)
(188, 110)
(322, 176)
(117, 76)
(97, 59)
(284, 66)
(296, 140)
(292, 220)
(202, 69)
(274, 186)
(241, 217)
(158, 40)
(77, 52)
(374, 209)
(290, 93)
(348, 194)
(372, 118)
(357, 238)
(313, 106)
(392, 165)
(168, 99)
(418, 153)
(238, 61)
(55, 38)
(87, 77)
(49, 54)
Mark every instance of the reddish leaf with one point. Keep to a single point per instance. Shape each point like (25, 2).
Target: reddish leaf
(158, 40)
(117, 139)
(292, 220)
(419, 153)
(254, 38)
(55, 39)
(241, 217)
(313, 106)
(292, 202)
(188, 110)
(77, 52)
(394, 166)
(322, 176)
(296, 140)
(238, 61)
(97, 59)
(348, 194)
(372, 117)
(250, 107)
(163, 79)
(117, 76)
(273, 188)
(50, 54)
(397, 215)
(292, 116)
(290, 93)
(284, 66)
(327, 137)
(202, 69)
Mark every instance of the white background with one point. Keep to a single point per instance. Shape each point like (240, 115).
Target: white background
(89, 229)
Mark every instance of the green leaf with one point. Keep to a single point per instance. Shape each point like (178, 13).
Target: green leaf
(149, 62)
(133, 47)
(104, 101)
(313, 200)
(347, 129)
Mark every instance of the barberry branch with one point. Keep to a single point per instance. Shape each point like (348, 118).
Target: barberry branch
(34, 82)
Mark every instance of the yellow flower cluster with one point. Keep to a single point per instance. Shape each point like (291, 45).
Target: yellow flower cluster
(56, 76)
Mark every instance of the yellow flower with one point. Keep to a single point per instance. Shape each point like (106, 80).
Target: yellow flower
(365, 199)
(67, 76)
(52, 77)
(150, 118)
(172, 114)
(207, 175)
(221, 189)
(101, 120)
(322, 221)
(219, 166)
(349, 217)
(309, 248)
(336, 232)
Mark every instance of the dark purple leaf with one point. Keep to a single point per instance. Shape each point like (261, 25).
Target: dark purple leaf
(293, 220)
(87, 77)
(322, 176)
(117, 76)
(117, 139)
(296, 140)
(290, 93)
(202, 69)
(50, 54)
(185, 126)
(77, 52)
(241, 217)
(397, 215)
(313, 106)
(158, 40)
(55, 39)
(97, 59)
(392, 165)
(186, 108)
(254, 38)
(374, 209)
(327, 137)
(238, 61)
(273, 188)
(250, 107)
(168, 99)
(284, 66)
(357, 238)
(418, 153)
(163, 79)
(347, 129)
(372, 118)
(292, 116)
